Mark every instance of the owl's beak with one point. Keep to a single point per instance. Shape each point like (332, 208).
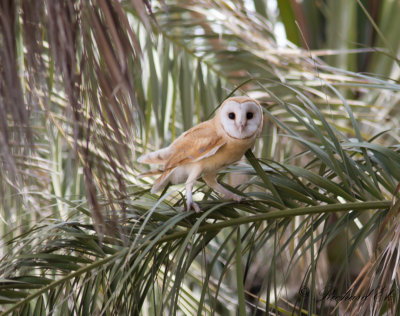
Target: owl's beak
(241, 127)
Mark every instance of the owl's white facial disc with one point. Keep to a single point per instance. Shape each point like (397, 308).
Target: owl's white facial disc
(241, 120)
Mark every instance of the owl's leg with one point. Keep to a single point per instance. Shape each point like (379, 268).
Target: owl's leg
(211, 181)
(189, 196)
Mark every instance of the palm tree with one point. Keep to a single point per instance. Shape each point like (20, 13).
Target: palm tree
(86, 86)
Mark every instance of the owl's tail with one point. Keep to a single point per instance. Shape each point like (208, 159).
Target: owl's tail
(150, 173)
(156, 157)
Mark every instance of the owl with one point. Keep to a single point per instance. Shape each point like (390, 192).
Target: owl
(208, 147)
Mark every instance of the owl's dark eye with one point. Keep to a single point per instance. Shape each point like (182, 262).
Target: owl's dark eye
(231, 115)
(249, 115)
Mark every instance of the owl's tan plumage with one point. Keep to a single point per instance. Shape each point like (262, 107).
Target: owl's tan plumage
(208, 147)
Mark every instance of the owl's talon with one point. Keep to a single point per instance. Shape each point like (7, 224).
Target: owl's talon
(194, 206)
(235, 197)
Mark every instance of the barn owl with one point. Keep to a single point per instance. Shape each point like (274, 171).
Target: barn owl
(208, 147)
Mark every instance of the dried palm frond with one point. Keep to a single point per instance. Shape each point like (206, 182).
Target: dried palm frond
(376, 285)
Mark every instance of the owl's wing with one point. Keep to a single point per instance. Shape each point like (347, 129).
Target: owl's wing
(197, 143)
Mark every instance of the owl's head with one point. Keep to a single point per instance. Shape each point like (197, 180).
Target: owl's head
(241, 117)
